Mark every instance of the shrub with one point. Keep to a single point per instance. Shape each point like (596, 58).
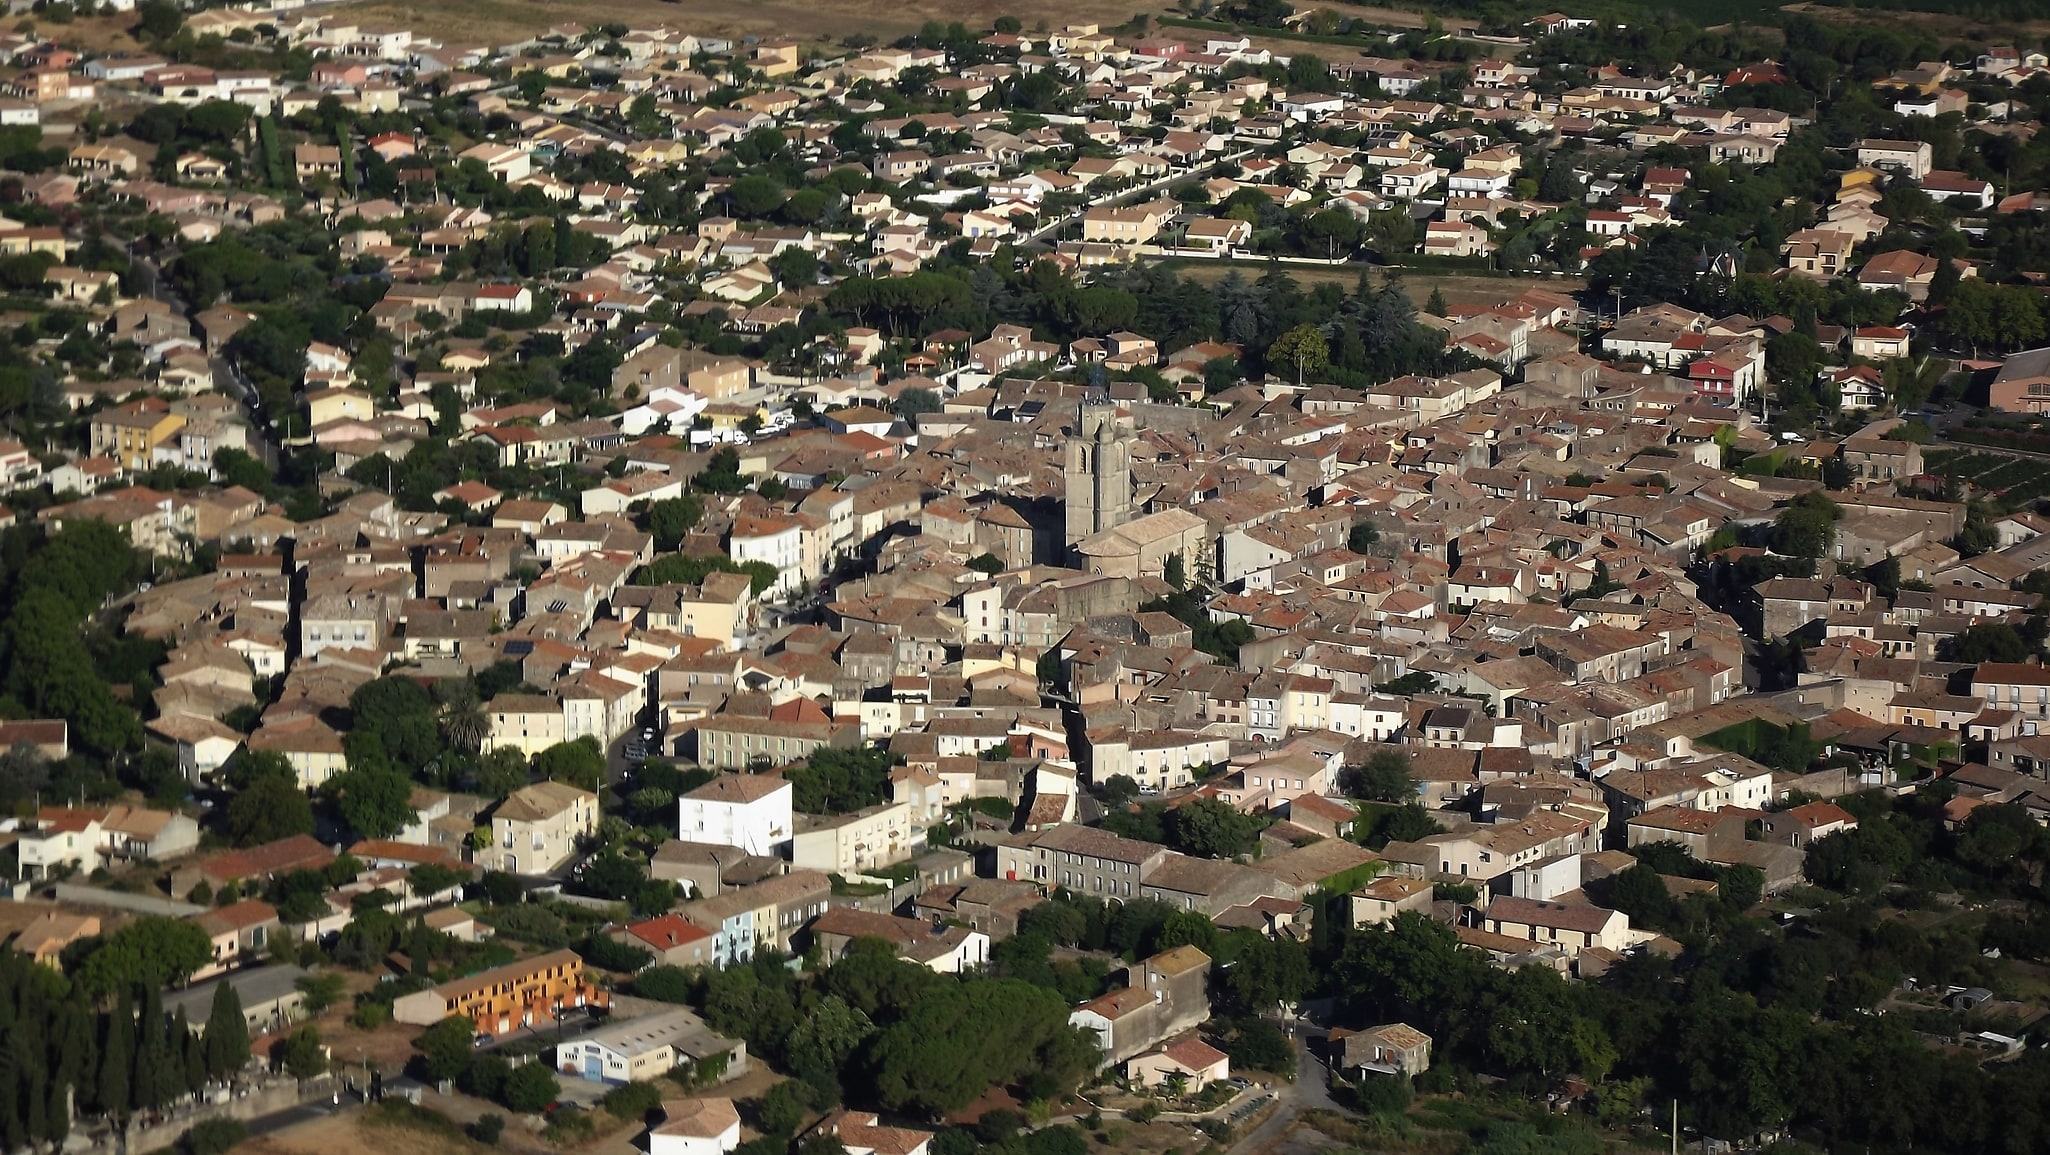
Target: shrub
(634, 1100)
(212, 1136)
(486, 1129)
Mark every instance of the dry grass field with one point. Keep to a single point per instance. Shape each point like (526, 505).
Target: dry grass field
(1458, 289)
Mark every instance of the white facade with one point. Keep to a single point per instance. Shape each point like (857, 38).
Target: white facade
(759, 825)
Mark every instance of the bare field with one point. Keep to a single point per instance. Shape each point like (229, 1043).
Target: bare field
(488, 20)
(1940, 23)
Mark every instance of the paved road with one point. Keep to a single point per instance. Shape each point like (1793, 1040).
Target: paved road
(1310, 1091)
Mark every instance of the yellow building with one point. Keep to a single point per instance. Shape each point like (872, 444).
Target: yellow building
(522, 994)
(132, 433)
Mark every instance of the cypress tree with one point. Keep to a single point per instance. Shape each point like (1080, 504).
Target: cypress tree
(57, 1114)
(12, 1130)
(193, 1056)
(117, 1056)
(35, 1092)
(227, 1033)
(147, 1086)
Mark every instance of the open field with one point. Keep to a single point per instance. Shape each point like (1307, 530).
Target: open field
(1459, 289)
(800, 19)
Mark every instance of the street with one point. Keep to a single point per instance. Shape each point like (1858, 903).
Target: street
(1310, 1091)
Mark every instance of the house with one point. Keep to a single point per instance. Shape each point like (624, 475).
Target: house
(750, 811)
(1381, 900)
(530, 992)
(865, 841)
(271, 998)
(1191, 1063)
(45, 938)
(1389, 1049)
(1801, 826)
(942, 949)
(529, 723)
(646, 1047)
(1879, 342)
(671, 939)
(1571, 928)
(1164, 995)
(85, 839)
(862, 1133)
(695, 1127)
(238, 931)
(1911, 158)
(537, 828)
(2022, 384)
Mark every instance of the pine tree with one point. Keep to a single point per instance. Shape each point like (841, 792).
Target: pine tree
(227, 1033)
(35, 1091)
(117, 1056)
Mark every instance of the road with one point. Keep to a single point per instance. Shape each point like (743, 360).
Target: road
(227, 378)
(1310, 1091)
(1056, 227)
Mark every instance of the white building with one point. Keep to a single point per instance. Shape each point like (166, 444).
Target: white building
(695, 1127)
(750, 811)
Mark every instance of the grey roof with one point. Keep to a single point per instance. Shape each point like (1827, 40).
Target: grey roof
(256, 987)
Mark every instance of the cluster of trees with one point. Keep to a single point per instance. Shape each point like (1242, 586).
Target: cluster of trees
(53, 584)
(836, 781)
(106, 1051)
(1205, 827)
(876, 1030)
(447, 1051)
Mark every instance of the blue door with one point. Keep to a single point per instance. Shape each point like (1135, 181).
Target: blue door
(593, 1069)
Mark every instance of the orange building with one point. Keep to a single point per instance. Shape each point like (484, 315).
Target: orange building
(522, 994)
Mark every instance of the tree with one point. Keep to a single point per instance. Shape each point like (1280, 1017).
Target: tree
(463, 720)
(269, 809)
(397, 719)
(117, 1055)
(376, 801)
(1212, 828)
(159, 19)
(917, 400)
(755, 195)
(1806, 527)
(987, 563)
(580, 763)
(1384, 778)
(227, 1033)
(529, 1088)
(150, 952)
(1175, 571)
(500, 772)
(301, 1054)
(445, 1048)
(1303, 348)
(671, 518)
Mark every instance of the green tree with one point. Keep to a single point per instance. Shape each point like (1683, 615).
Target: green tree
(159, 19)
(529, 1088)
(394, 716)
(580, 763)
(500, 772)
(1384, 778)
(1303, 349)
(446, 1048)
(1212, 828)
(150, 951)
(227, 1033)
(671, 518)
(1806, 527)
(267, 810)
(376, 801)
(301, 1054)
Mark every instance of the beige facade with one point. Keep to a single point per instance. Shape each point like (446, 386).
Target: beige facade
(538, 827)
(854, 843)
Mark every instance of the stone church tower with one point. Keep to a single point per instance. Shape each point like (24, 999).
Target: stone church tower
(1098, 472)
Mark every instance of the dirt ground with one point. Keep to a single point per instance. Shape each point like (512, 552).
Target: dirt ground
(1459, 289)
(800, 19)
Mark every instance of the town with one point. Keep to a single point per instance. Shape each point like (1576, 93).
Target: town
(1231, 579)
